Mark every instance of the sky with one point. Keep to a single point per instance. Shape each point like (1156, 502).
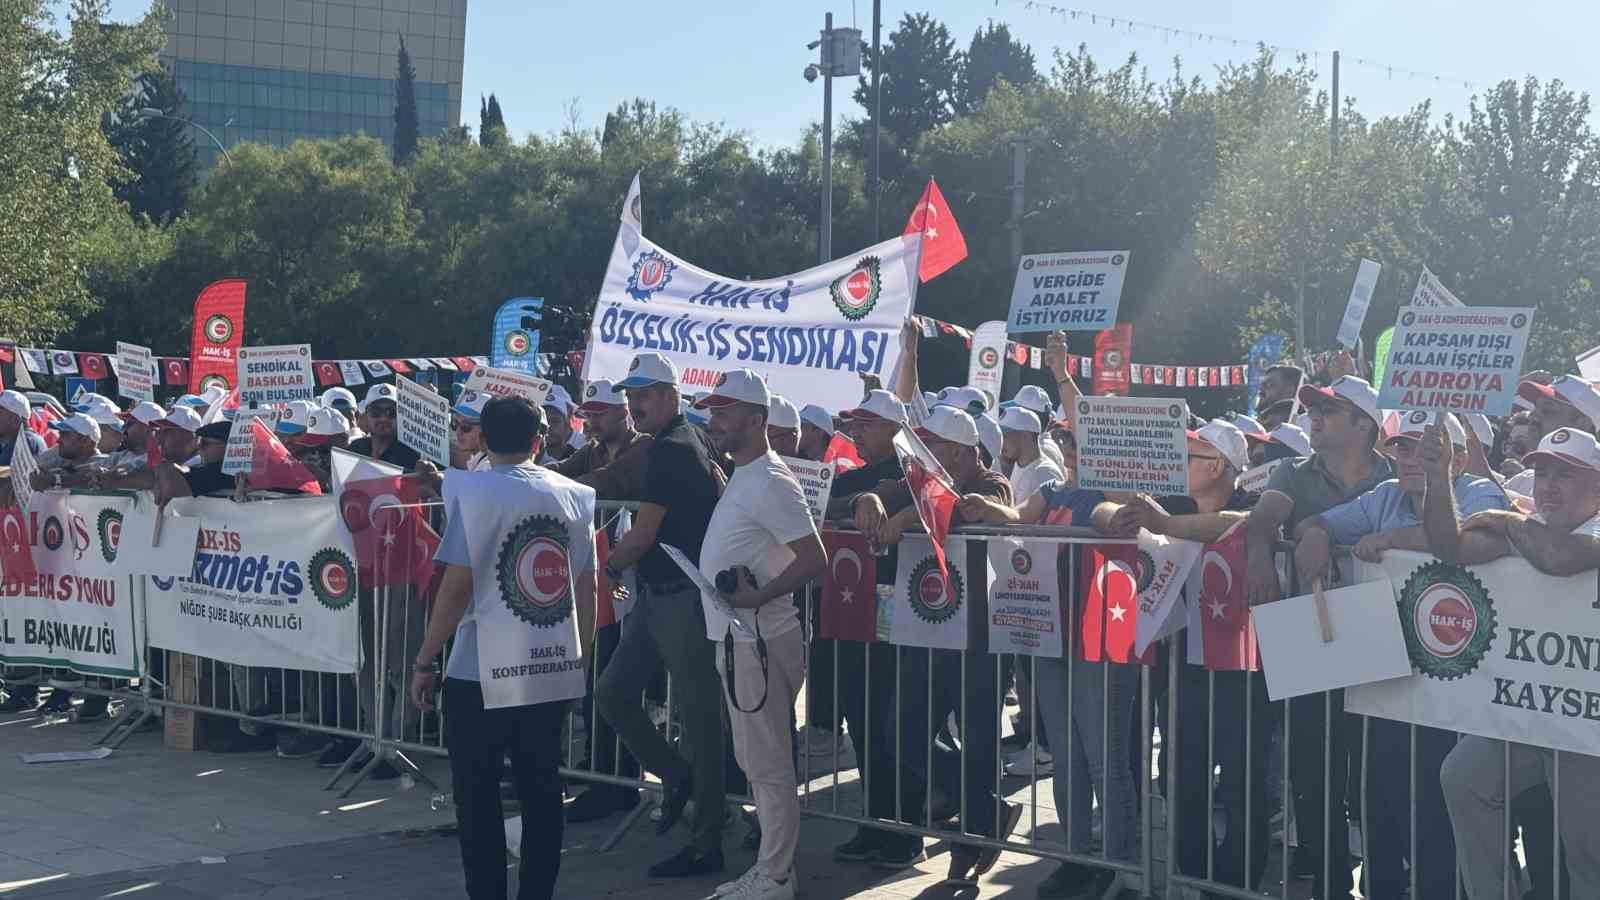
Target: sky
(740, 62)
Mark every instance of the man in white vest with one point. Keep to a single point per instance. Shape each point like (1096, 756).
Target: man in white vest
(762, 544)
(520, 558)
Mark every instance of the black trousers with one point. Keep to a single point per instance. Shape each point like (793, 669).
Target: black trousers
(478, 740)
(1313, 719)
(1393, 789)
(602, 751)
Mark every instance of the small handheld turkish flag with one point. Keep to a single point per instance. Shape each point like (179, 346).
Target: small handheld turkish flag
(849, 589)
(931, 490)
(16, 554)
(273, 467)
(842, 453)
(1110, 591)
(1227, 632)
(942, 242)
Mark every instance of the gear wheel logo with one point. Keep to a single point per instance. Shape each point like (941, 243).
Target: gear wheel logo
(333, 579)
(109, 526)
(1448, 620)
(534, 572)
(934, 598)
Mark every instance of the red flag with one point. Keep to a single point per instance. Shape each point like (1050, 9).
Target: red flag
(16, 554)
(464, 363)
(328, 373)
(842, 453)
(273, 467)
(1017, 352)
(217, 335)
(1110, 591)
(400, 366)
(1112, 350)
(393, 543)
(575, 360)
(931, 491)
(849, 589)
(1226, 630)
(174, 370)
(942, 243)
(92, 365)
(39, 420)
(8, 354)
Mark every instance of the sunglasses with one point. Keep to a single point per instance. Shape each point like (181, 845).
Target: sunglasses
(381, 411)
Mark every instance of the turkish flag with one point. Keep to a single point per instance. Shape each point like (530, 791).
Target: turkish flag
(942, 243)
(1109, 587)
(1112, 350)
(175, 370)
(39, 423)
(328, 373)
(8, 355)
(92, 365)
(1018, 353)
(273, 467)
(464, 363)
(931, 491)
(849, 589)
(378, 506)
(1226, 631)
(842, 453)
(400, 366)
(16, 554)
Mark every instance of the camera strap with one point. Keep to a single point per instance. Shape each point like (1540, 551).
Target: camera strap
(728, 680)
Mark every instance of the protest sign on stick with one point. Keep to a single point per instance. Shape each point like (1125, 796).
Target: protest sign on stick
(1456, 359)
(816, 482)
(136, 372)
(1133, 444)
(276, 374)
(423, 421)
(506, 383)
(1355, 311)
(1067, 291)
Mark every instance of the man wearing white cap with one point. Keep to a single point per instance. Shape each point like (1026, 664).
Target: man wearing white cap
(816, 432)
(783, 426)
(667, 624)
(558, 409)
(109, 416)
(1566, 402)
(952, 437)
(1562, 539)
(1019, 449)
(1033, 398)
(1417, 510)
(67, 463)
(379, 409)
(137, 435)
(760, 547)
(14, 413)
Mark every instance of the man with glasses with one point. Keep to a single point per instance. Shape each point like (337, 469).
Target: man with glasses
(378, 411)
(466, 435)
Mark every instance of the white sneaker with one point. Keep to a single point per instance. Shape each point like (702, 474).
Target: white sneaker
(761, 886)
(728, 888)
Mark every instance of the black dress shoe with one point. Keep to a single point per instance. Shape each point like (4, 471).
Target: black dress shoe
(674, 795)
(688, 863)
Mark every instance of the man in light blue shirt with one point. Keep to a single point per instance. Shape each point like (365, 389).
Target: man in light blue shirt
(1401, 514)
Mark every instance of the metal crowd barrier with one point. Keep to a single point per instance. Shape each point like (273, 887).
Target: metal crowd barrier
(373, 708)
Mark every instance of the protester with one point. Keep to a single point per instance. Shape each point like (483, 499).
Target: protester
(1565, 402)
(15, 410)
(378, 410)
(762, 539)
(1479, 774)
(558, 409)
(1033, 398)
(69, 463)
(783, 426)
(816, 430)
(1279, 383)
(466, 434)
(666, 624)
(488, 511)
(1019, 449)
(136, 436)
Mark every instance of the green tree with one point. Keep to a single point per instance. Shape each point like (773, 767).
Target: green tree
(405, 106)
(156, 152)
(918, 79)
(491, 123)
(992, 56)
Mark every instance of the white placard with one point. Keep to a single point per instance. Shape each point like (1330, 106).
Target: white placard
(988, 363)
(1254, 480)
(170, 557)
(238, 455)
(276, 374)
(1367, 644)
(720, 616)
(1024, 598)
(1432, 292)
(1067, 291)
(423, 421)
(506, 383)
(1466, 359)
(136, 373)
(1133, 444)
(1355, 311)
(816, 482)
(1589, 364)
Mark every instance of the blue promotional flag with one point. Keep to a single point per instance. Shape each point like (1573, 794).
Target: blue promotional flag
(515, 343)
(1264, 353)
(77, 390)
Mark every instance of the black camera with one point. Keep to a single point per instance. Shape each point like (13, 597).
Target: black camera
(728, 579)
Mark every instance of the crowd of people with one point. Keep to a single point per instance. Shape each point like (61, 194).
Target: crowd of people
(708, 476)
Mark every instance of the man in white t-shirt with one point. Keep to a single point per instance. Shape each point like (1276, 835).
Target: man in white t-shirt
(762, 539)
(520, 560)
(1019, 448)
(1562, 539)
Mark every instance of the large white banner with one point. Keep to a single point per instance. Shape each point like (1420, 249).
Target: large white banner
(1499, 650)
(77, 614)
(274, 584)
(810, 334)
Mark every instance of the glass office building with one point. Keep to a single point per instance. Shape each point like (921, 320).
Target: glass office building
(273, 71)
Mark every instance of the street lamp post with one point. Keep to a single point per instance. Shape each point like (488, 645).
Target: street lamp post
(840, 57)
(150, 112)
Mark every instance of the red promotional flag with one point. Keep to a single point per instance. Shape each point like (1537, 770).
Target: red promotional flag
(464, 363)
(217, 334)
(842, 453)
(273, 467)
(174, 370)
(92, 365)
(328, 373)
(1112, 350)
(849, 589)
(16, 554)
(1226, 631)
(931, 491)
(942, 243)
(1110, 591)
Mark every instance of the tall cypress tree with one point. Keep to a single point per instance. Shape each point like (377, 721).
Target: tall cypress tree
(491, 123)
(158, 153)
(405, 106)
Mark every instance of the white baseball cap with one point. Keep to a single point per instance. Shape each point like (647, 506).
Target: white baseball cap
(818, 417)
(737, 386)
(782, 414)
(297, 415)
(79, 423)
(1349, 388)
(560, 400)
(929, 398)
(214, 393)
(989, 436)
(338, 395)
(1479, 423)
(1249, 425)
(106, 414)
(1017, 418)
(879, 404)
(181, 417)
(1568, 445)
(946, 423)
(323, 424)
(16, 403)
(601, 394)
(1292, 436)
(470, 404)
(146, 412)
(649, 368)
(1569, 389)
(967, 399)
(1031, 397)
(1412, 424)
(1226, 439)
(380, 391)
